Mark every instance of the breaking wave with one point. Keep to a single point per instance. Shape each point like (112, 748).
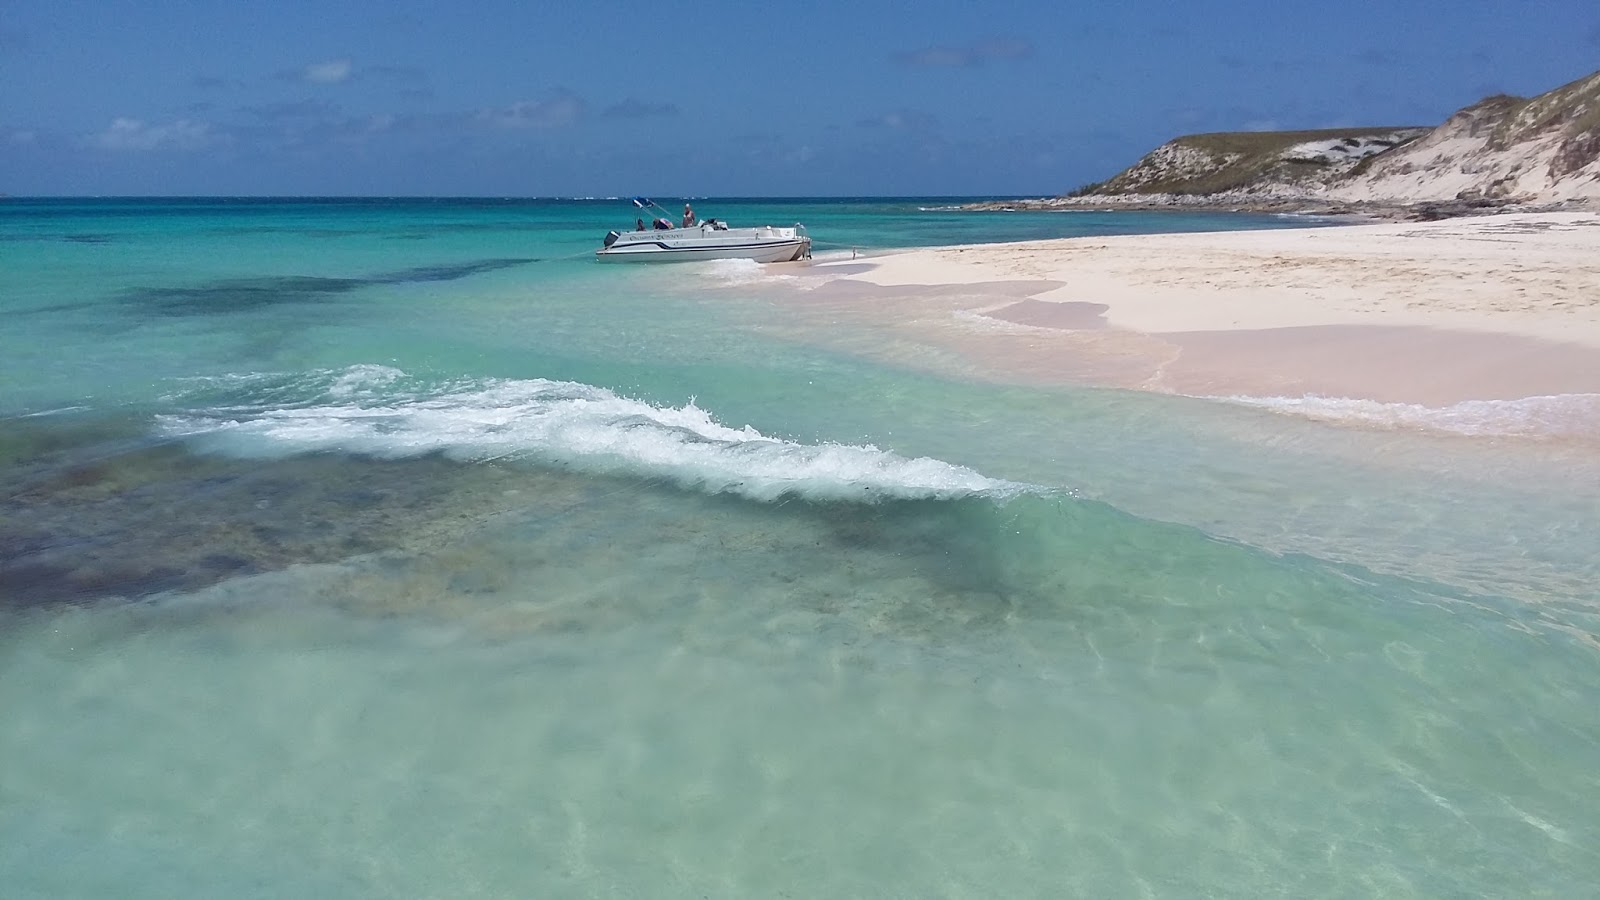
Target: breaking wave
(382, 412)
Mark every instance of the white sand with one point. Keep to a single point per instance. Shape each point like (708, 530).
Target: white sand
(1534, 275)
(1483, 308)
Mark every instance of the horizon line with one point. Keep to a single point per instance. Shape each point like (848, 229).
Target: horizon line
(517, 198)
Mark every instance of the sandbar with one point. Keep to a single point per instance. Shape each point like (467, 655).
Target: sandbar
(1433, 313)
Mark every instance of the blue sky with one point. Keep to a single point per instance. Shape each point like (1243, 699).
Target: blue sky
(703, 97)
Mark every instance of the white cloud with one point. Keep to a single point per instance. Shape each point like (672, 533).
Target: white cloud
(561, 109)
(134, 134)
(331, 72)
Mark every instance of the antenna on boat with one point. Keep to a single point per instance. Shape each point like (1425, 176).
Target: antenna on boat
(646, 203)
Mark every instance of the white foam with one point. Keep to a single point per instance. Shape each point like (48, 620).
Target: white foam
(736, 272)
(840, 254)
(364, 380)
(58, 411)
(570, 424)
(1560, 415)
(979, 321)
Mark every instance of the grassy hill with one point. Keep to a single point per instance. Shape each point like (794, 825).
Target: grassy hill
(1501, 149)
(1200, 164)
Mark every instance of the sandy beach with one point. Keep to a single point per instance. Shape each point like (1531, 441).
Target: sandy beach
(1489, 308)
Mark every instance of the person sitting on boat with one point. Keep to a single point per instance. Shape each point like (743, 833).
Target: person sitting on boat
(663, 225)
(638, 224)
(688, 216)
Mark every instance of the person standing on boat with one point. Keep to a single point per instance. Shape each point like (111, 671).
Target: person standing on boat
(688, 216)
(638, 224)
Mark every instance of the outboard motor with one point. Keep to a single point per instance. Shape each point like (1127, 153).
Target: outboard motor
(611, 238)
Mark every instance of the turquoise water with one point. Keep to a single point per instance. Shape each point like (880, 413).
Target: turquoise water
(396, 548)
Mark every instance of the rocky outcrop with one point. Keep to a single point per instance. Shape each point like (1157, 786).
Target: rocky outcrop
(1501, 151)
(1279, 164)
(1540, 150)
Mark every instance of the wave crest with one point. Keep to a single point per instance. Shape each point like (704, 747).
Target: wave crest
(368, 410)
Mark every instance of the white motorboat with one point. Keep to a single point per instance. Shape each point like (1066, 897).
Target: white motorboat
(711, 239)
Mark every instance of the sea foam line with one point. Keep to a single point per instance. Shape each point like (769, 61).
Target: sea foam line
(368, 410)
(1554, 416)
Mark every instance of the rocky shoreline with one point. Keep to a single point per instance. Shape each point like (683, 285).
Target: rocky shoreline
(1302, 206)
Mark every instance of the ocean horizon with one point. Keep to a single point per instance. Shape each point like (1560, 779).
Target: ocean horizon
(369, 546)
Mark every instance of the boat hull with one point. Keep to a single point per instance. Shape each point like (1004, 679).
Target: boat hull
(765, 244)
(780, 251)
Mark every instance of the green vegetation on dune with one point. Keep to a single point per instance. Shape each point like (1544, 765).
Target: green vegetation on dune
(1221, 161)
(1574, 106)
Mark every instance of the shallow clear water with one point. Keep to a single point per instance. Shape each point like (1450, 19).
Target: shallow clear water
(395, 548)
